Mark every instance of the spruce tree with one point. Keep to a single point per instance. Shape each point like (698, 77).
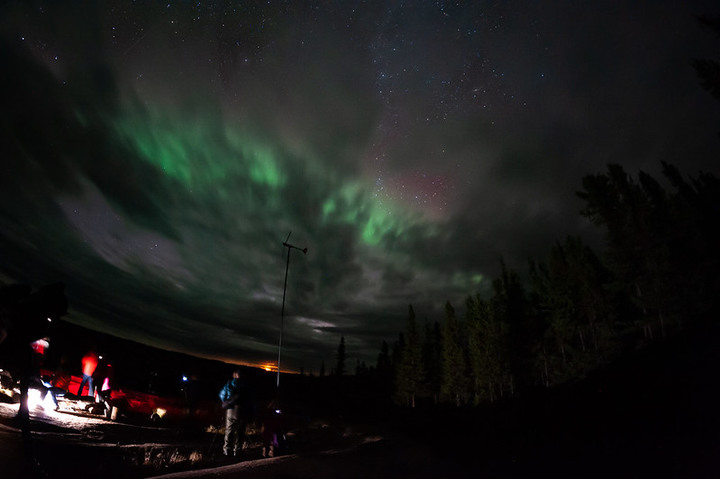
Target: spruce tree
(452, 388)
(432, 360)
(517, 332)
(571, 300)
(409, 371)
(383, 369)
(340, 365)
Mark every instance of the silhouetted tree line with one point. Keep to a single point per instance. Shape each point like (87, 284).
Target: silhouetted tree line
(658, 273)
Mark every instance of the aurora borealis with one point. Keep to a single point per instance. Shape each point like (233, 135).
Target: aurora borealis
(156, 154)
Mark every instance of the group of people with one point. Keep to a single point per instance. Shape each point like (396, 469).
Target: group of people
(239, 404)
(59, 384)
(25, 317)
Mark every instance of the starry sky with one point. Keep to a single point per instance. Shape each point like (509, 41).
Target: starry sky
(155, 155)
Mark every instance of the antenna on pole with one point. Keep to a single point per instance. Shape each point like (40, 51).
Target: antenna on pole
(282, 311)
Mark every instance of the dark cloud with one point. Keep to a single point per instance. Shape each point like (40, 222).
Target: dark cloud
(156, 155)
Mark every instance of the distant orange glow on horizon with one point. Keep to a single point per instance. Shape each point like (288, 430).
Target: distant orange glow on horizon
(265, 366)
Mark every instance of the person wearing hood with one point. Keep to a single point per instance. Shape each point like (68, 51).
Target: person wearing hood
(237, 401)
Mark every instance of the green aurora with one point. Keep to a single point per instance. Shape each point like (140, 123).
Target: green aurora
(157, 154)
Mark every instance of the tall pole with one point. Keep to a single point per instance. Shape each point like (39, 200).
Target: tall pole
(282, 316)
(282, 310)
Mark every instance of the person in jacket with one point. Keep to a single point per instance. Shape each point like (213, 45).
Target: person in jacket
(89, 364)
(237, 401)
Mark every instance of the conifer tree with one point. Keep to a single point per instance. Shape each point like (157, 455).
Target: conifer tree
(708, 71)
(432, 360)
(656, 246)
(340, 365)
(517, 330)
(570, 296)
(453, 385)
(409, 370)
(395, 359)
(478, 364)
(694, 236)
(481, 350)
(383, 369)
(383, 360)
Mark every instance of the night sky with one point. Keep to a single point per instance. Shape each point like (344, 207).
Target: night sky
(155, 155)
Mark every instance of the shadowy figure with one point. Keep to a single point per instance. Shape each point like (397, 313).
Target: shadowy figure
(89, 364)
(191, 391)
(273, 429)
(191, 394)
(37, 361)
(60, 382)
(26, 316)
(108, 375)
(238, 402)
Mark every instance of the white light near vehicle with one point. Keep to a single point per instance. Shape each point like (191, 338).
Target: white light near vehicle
(33, 398)
(160, 412)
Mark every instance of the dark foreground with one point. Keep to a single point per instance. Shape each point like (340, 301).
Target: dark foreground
(652, 415)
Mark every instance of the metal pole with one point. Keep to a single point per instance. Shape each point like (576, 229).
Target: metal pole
(282, 317)
(282, 311)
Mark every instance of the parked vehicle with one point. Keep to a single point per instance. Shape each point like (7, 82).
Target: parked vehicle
(121, 403)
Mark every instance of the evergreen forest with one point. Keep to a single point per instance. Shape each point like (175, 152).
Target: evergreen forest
(578, 310)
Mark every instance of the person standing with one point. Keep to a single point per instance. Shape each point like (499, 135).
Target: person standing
(237, 401)
(26, 316)
(89, 364)
(273, 429)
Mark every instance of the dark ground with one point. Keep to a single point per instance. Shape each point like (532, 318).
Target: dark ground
(653, 414)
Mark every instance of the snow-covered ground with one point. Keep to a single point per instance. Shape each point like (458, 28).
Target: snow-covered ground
(62, 418)
(63, 442)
